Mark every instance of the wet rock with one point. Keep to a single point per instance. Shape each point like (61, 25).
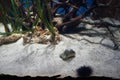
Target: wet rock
(10, 39)
(68, 54)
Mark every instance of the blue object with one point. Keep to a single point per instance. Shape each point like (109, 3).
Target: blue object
(27, 3)
(61, 10)
(82, 9)
(89, 2)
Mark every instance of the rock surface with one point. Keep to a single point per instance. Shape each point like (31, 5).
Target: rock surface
(92, 47)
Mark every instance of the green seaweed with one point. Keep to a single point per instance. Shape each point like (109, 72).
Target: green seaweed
(44, 13)
(13, 14)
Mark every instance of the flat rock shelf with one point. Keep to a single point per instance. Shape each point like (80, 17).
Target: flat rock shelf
(94, 52)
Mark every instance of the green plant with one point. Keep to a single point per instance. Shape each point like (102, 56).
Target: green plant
(11, 13)
(15, 15)
(44, 13)
(3, 13)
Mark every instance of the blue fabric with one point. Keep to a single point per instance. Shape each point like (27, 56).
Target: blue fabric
(89, 2)
(61, 10)
(81, 9)
(27, 4)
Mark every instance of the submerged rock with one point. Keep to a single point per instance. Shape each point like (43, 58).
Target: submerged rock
(40, 35)
(9, 39)
(67, 54)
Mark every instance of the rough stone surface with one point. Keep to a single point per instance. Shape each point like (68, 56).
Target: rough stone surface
(92, 48)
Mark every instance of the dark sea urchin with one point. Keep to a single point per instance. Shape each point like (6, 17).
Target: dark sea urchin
(84, 71)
